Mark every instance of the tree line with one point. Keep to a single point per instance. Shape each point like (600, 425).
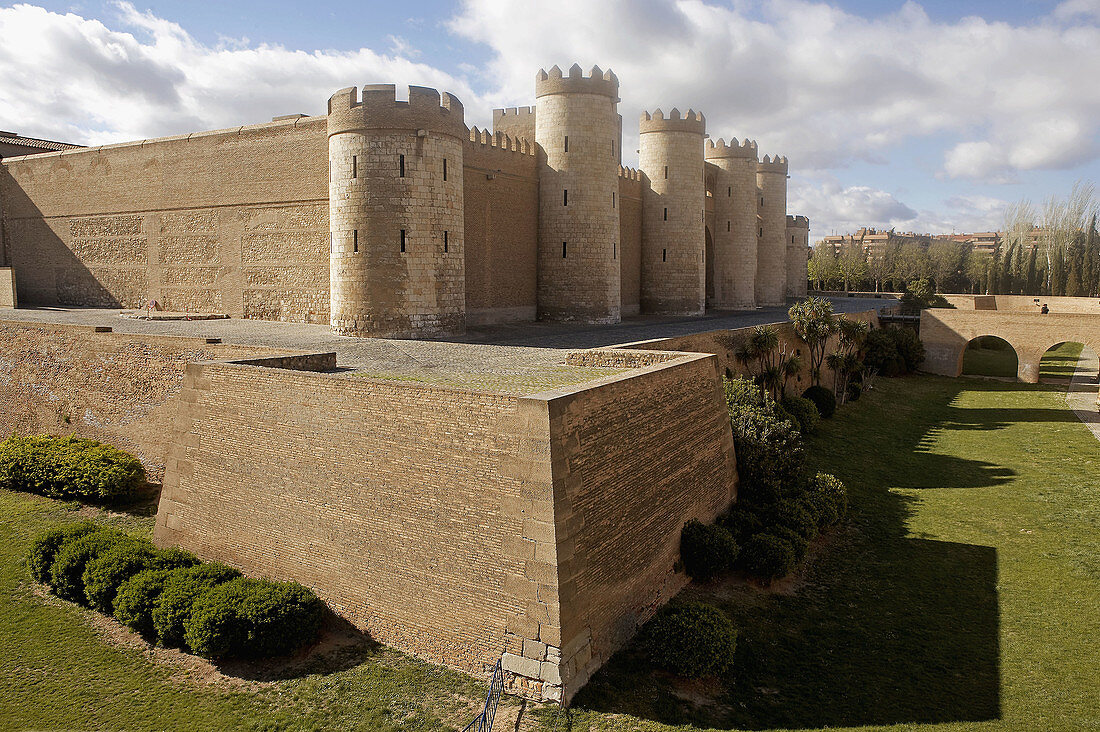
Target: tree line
(1049, 250)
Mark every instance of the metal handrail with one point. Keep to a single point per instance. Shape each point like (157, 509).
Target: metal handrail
(483, 722)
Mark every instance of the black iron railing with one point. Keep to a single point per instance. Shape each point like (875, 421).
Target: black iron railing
(483, 722)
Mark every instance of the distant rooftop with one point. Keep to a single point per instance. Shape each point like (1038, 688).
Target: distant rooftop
(10, 140)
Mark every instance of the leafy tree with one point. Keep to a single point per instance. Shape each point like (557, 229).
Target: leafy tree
(814, 321)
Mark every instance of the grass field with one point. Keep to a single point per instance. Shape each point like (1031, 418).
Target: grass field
(964, 593)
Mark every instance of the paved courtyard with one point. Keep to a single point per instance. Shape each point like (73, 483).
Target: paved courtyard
(513, 358)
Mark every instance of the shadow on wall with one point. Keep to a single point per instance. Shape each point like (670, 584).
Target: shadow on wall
(50, 273)
(884, 629)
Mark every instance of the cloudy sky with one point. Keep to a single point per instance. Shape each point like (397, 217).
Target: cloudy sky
(924, 116)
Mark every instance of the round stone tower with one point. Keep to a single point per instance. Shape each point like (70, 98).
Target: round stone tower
(577, 132)
(673, 220)
(735, 228)
(771, 254)
(798, 252)
(397, 266)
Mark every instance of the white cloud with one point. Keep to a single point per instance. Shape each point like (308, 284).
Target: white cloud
(824, 86)
(76, 79)
(835, 208)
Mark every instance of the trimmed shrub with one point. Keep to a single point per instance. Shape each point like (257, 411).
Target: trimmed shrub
(823, 399)
(174, 558)
(910, 348)
(797, 515)
(742, 392)
(181, 588)
(880, 351)
(854, 392)
(68, 467)
(67, 572)
(137, 597)
(767, 557)
(828, 496)
(690, 639)
(799, 544)
(804, 412)
(106, 572)
(47, 545)
(742, 522)
(706, 549)
(250, 617)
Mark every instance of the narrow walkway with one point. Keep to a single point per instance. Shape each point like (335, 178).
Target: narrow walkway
(1081, 396)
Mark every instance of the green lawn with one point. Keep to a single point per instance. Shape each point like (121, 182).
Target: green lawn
(964, 593)
(981, 360)
(58, 670)
(1060, 362)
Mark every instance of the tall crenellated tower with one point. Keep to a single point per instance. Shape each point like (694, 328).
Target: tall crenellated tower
(577, 132)
(673, 216)
(771, 254)
(798, 251)
(735, 227)
(396, 213)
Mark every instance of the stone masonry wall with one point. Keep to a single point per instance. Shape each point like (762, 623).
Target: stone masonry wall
(634, 458)
(112, 387)
(232, 220)
(771, 255)
(501, 220)
(629, 202)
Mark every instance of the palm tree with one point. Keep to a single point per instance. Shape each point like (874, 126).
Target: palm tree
(814, 321)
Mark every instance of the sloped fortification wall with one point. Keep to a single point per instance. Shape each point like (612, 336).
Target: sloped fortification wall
(232, 220)
(452, 524)
(112, 387)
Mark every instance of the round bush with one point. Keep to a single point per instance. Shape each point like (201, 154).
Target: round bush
(854, 392)
(690, 639)
(181, 588)
(706, 549)
(797, 515)
(880, 352)
(250, 617)
(767, 557)
(104, 574)
(823, 399)
(742, 522)
(68, 467)
(829, 498)
(174, 558)
(67, 572)
(137, 597)
(769, 454)
(47, 545)
(804, 413)
(910, 348)
(799, 544)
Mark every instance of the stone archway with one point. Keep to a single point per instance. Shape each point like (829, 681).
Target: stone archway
(989, 355)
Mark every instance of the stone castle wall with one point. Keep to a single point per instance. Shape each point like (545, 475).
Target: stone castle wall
(453, 524)
(771, 254)
(234, 221)
(629, 203)
(798, 251)
(734, 230)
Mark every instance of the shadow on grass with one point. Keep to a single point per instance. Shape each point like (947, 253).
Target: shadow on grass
(881, 628)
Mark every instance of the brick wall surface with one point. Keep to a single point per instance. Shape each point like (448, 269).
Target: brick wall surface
(1026, 303)
(629, 202)
(771, 254)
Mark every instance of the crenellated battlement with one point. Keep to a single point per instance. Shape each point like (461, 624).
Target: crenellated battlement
(657, 122)
(501, 141)
(716, 150)
(769, 164)
(630, 173)
(379, 108)
(598, 81)
(798, 222)
(513, 114)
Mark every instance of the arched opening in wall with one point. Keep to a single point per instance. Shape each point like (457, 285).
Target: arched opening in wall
(990, 356)
(709, 257)
(1069, 361)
